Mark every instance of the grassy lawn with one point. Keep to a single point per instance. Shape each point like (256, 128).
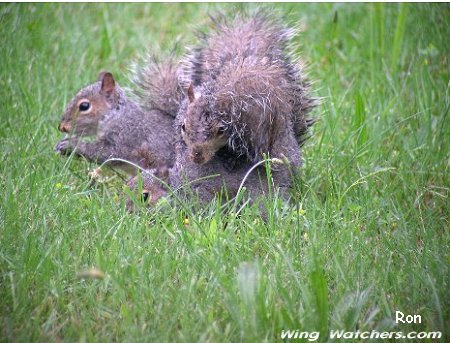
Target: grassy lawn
(369, 234)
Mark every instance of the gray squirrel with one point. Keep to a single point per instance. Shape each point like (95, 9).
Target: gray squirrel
(245, 91)
(102, 122)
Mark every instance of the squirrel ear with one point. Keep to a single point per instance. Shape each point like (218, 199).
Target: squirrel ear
(108, 83)
(101, 75)
(190, 93)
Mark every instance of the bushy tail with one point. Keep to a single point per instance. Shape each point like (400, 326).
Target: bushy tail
(304, 103)
(156, 84)
(229, 35)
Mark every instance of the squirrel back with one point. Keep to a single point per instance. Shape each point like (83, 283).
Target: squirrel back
(120, 126)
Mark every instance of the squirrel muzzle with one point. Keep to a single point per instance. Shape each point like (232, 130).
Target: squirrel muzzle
(64, 127)
(197, 156)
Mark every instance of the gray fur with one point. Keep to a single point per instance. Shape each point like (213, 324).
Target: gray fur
(121, 127)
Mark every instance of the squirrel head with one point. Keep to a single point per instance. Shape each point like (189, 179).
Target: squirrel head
(153, 188)
(202, 129)
(89, 106)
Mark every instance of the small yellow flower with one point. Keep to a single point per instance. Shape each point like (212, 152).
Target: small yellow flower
(186, 221)
(305, 236)
(58, 185)
(301, 212)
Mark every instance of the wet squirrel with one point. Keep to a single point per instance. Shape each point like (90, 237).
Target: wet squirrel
(245, 91)
(138, 129)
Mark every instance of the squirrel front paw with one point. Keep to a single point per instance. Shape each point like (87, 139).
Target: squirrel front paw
(65, 146)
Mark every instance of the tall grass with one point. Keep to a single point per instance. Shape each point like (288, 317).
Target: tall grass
(367, 235)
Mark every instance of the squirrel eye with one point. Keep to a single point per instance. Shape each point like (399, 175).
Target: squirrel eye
(220, 130)
(84, 106)
(183, 127)
(145, 196)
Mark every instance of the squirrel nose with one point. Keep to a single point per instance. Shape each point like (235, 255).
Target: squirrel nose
(64, 127)
(197, 156)
(145, 195)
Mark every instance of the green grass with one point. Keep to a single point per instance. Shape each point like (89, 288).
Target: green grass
(369, 235)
